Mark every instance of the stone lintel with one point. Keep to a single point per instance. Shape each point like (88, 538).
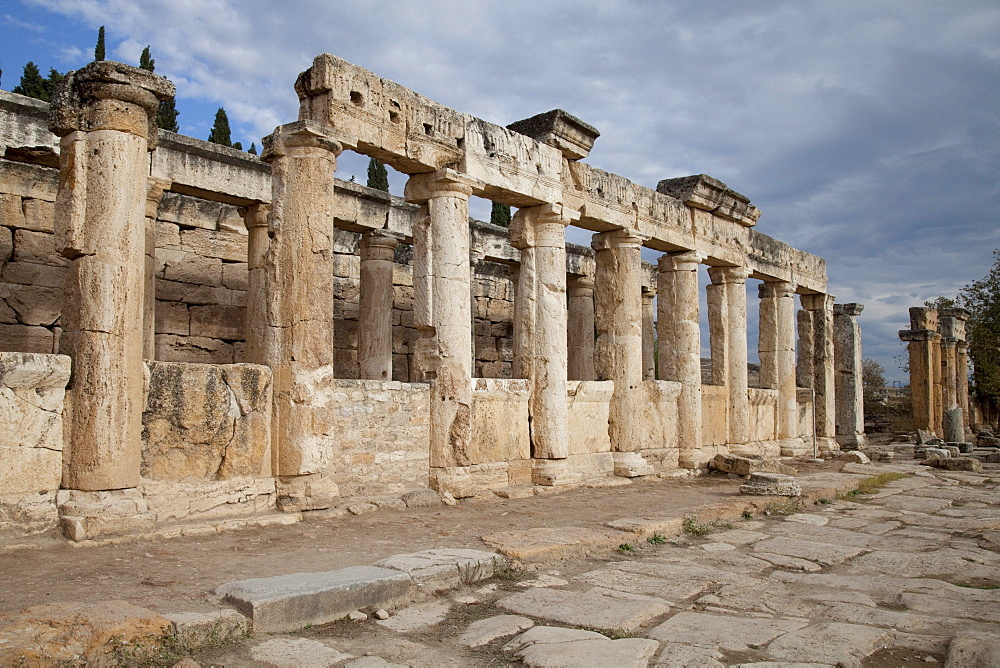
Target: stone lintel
(704, 192)
(573, 137)
(848, 309)
(918, 335)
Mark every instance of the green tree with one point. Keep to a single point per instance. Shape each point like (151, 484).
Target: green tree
(872, 384)
(940, 303)
(220, 130)
(982, 300)
(166, 116)
(32, 84)
(146, 62)
(99, 49)
(500, 214)
(253, 149)
(378, 176)
(238, 145)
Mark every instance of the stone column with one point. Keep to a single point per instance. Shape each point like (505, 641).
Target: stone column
(255, 218)
(540, 234)
(923, 346)
(580, 333)
(104, 115)
(679, 332)
(776, 347)
(442, 309)
(816, 366)
(375, 306)
(962, 364)
(729, 302)
(154, 193)
(298, 275)
(618, 316)
(648, 333)
(850, 409)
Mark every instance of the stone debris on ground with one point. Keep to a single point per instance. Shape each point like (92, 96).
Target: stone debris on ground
(909, 570)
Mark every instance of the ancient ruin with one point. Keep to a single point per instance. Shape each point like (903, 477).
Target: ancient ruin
(194, 335)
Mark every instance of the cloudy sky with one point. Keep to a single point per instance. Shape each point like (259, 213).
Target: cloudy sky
(866, 131)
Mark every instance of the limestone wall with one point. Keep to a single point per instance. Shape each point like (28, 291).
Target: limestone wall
(763, 414)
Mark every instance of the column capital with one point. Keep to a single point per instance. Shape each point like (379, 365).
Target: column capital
(622, 238)
(948, 342)
(582, 285)
(728, 274)
(818, 302)
(154, 193)
(420, 188)
(648, 292)
(526, 227)
(301, 134)
(254, 215)
(683, 261)
(378, 245)
(775, 289)
(77, 102)
(851, 309)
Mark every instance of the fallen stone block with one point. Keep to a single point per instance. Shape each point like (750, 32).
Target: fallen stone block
(955, 463)
(855, 456)
(289, 602)
(771, 484)
(744, 466)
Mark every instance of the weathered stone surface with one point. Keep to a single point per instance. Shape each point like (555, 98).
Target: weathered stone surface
(52, 633)
(973, 651)
(288, 602)
(203, 500)
(417, 617)
(597, 608)
(954, 463)
(487, 630)
(545, 544)
(677, 655)
(771, 484)
(822, 553)
(830, 643)
(746, 465)
(86, 515)
(296, 652)
(201, 628)
(722, 631)
(206, 422)
(551, 646)
(443, 568)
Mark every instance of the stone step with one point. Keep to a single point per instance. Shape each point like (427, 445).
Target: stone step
(290, 602)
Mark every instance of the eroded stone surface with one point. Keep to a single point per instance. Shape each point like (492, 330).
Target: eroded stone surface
(487, 630)
(549, 646)
(722, 631)
(598, 608)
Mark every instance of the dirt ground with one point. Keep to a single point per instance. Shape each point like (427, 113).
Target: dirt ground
(179, 574)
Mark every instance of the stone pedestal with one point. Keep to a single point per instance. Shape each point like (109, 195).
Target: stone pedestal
(298, 278)
(727, 311)
(816, 363)
(375, 306)
(618, 315)
(540, 233)
(442, 310)
(776, 347)
(103, 113)
(580, 329)
(849, 390)
(679, 332)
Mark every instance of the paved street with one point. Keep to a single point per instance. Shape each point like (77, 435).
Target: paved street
(907, 575)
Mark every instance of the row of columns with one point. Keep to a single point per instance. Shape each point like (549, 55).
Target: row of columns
(104, 227)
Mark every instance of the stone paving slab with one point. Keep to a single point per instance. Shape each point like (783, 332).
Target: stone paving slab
(830, 643)
(444, 568)
(821, 553)
(287, 602)
(551, 646)
(296, 653)
(545, 544)
(726, 632)
(597, 609)
(487, 630)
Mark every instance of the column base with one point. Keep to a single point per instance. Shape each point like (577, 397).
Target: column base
(631, 465)
(552, 473)
(827, 444)
(795, 447)
(89, 515)
(852, 441)
(306, 492)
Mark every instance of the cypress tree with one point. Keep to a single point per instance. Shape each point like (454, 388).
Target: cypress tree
(378, 176)
(146, 62)
(166, 116)
(50, 84)
(253, 149)
(500, 214)
(238, 145)
(99, 49)
(220, 130)
(32, 84)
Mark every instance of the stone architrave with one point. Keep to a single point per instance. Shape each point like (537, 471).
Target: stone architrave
(298, 337)
(154, 193)
(580, 329)
(679, 332)
(728, 325)
(923, 347)
(442, 309)
(618, 316)
(104, 114)
(848, 386)
(648, 333)
(255, 218)
(375, 306)
(776, 347)
(816, 346)
(540, 234)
